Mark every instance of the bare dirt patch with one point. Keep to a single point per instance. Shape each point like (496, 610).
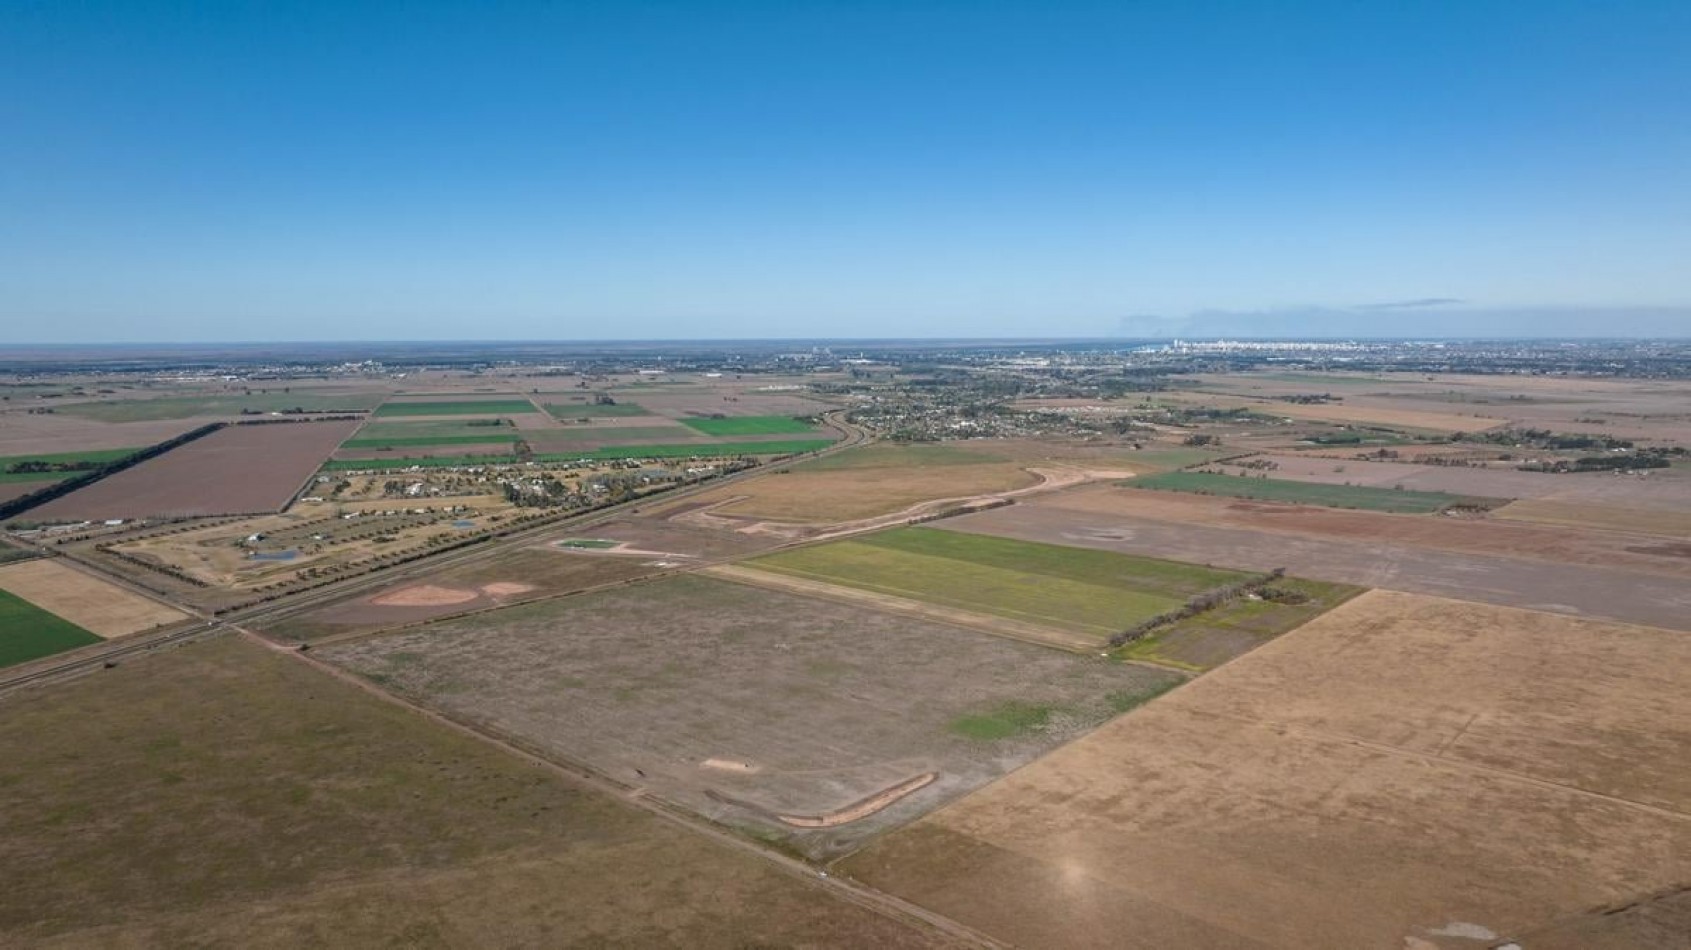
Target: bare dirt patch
(424, 595)
(1453, 769)
(835, 703)
(97, 606)
(506, 589)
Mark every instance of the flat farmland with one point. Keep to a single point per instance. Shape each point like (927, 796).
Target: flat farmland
(585, 410)
(793, 719)
(1404, 772)
(865, 482)
(226, 795)
(1367, 553)
(522, 575)
(1670, 524)
(396, 408)
(747, 425)
(1075, 589)
(392, 435)
(28, 633)
(92, 603)
(221, 404)
(1308, 493)
(19, 468)
(1387, 415)
(236, 470)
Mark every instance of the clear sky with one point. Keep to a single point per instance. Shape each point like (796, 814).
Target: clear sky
(343, 170)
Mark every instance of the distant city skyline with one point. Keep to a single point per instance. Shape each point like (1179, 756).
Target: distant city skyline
(615, 171)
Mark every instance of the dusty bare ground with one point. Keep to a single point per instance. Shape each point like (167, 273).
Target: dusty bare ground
(1404, 772)
(540, 571)
(999, 626)
(826, 704)
(97, 606)
(833, 495)
(424, 595)
(1612, 517)
(237, 470)
(221, 795)
(1510, 539)
(1048, 479)
(1380, 561)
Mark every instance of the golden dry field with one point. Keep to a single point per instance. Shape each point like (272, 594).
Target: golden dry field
(98, 606)
(1404, 771)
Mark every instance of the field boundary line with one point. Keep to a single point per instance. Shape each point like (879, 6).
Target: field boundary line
(880, 902)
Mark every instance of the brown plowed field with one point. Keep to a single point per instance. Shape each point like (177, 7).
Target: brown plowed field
(237, 470)
(1633, 596)
(1662, 490)
(1614, 518)
(1404, 772)
(1438, 532)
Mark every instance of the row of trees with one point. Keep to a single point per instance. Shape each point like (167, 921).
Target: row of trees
(1200, 603)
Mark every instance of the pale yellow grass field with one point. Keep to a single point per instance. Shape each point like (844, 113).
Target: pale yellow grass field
(830, 495)
(1636, 520)
(1395, 773)
(97, 606)
(1340, 412)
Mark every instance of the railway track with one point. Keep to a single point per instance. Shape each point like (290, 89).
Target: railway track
(103, 656)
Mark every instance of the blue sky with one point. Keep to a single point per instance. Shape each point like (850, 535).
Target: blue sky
(234, 171)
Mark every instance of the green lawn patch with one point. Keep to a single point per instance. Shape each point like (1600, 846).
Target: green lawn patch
(27, 632)
(1077, 589)
(748, 425)
(1309, 493)
(95, 458)
(582, 410)
(466, 407)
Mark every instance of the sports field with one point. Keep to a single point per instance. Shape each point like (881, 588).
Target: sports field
(1076, 589)
(748, 425)
(1308, 493)
(227, 795)
(465, 407)
(27, 632)
(9, 464)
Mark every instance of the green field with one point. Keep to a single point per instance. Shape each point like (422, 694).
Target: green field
(1078, 589)
(494, 436)
(27, 632)
(588, 411)
(1216, 636)
(618, 434)
(719, 450)
(229, 404)
(101, 456)
(748, 425)
(1309, 493)
(464, 407)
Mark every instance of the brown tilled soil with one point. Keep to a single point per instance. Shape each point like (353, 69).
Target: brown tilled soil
(1489, 536)
(1404, 772)
(237, 470)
